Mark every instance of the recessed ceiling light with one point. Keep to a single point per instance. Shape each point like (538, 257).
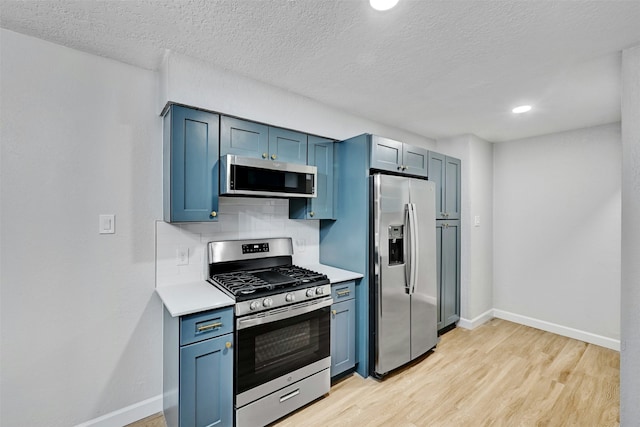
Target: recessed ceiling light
(521, 109)
(383, 4)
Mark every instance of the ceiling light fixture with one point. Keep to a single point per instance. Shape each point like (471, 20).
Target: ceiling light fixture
(521, 109)
(383, 4)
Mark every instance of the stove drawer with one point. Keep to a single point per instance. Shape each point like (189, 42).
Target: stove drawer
(208, 324)
(284, 401)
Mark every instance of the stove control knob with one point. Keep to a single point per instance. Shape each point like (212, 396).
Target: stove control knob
(311, 292)
(254, 305)
(267, 302)
(319, 291)
(290, 297)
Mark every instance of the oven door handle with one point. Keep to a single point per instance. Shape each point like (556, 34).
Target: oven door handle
(264, 318)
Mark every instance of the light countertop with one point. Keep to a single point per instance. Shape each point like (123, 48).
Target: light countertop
(199, 296)
(335, 275)
(192, 297)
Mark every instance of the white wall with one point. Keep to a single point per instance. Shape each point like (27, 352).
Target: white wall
(630, 351)
(557, 232)
(80, 322)
(476, 281)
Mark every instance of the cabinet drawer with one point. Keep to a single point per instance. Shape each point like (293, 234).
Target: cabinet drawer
(201, 326)
(343, 291)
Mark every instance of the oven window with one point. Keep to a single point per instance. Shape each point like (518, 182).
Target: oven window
(268, 351)
(282, 344)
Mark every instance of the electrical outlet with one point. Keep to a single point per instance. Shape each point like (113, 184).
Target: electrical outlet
(182, 255)
(476, 221)
(301, 243)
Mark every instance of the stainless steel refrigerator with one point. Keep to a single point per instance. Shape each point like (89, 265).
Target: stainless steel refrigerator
(404, 285)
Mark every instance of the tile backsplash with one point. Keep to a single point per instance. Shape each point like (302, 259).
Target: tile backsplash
(239, 218)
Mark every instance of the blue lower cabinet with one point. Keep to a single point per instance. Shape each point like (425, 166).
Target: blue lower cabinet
(343, 328)
(198, 369)
(206, 383)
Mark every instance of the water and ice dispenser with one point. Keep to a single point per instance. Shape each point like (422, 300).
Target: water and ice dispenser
(396, 244)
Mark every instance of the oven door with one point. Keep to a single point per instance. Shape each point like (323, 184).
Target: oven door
(272, 344)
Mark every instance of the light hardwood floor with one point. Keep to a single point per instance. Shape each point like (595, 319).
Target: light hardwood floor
(500, 374)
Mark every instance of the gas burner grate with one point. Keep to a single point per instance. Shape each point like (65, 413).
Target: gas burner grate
(299, 273)
(245, 283)
(240, 283)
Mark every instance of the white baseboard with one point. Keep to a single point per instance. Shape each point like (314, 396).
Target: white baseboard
(127, 415)
(565, 331)
(476, 321)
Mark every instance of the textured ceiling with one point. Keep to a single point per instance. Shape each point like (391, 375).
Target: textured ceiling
(437, 68)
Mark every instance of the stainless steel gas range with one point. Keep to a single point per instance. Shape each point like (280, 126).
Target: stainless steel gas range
(282, 327)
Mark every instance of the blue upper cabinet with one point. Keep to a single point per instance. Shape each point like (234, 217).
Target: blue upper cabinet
(250, 139)
(287, 146)
(415, 160)
(243, 138)
(320, 154)
(386, 154)
(190, 165)
(396, 156)
(445, 172)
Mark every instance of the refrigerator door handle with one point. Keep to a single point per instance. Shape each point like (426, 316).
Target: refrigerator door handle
(411, 265)
(408, 264)
(415, 248)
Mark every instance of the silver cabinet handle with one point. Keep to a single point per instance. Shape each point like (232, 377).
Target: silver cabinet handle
(273, 157)
(264, 155)
(343, 293)
(312, 213)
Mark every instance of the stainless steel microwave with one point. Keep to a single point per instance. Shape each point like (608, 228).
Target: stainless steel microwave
(246, 176)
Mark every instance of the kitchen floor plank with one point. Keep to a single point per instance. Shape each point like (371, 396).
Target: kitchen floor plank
(499, 374)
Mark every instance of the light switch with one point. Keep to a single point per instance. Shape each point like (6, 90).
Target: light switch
(182, 255)
(107, 224)
(476, 221)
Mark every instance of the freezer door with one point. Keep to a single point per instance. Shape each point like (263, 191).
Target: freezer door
(392, 300)
(424, 304)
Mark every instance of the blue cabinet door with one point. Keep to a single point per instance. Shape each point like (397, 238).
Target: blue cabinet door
(287, 146)
(415, 160)
(243, 138)
(452, 188)
(437, 164)
(206, 383)
(343, 340)
(320, 154)
(448, 272)
(190, 165)
(386, 154)
(444, 171)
